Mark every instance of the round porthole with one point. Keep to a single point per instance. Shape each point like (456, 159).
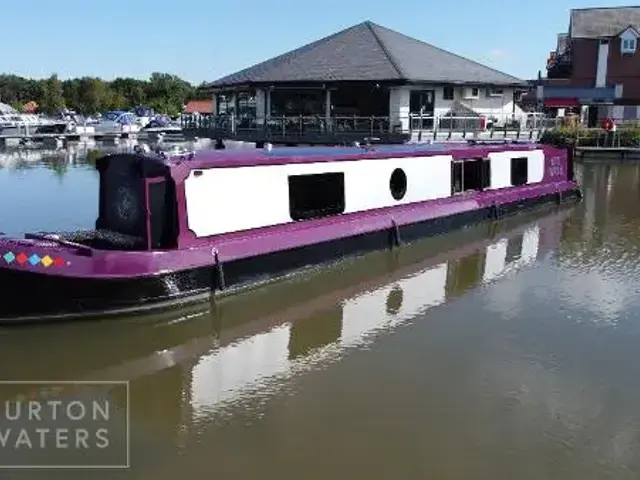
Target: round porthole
(398, 184)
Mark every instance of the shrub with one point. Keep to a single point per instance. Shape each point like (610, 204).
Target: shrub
(592, 137)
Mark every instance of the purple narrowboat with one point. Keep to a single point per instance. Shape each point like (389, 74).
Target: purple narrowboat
(172, 230)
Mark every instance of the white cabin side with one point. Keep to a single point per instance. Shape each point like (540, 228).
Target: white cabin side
(231, 199)
(227, 372)
(254, 197)
(502, 165)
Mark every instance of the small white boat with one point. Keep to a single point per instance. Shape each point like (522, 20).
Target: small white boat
(117, 121)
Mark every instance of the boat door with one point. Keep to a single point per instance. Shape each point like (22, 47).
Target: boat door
(155, 196)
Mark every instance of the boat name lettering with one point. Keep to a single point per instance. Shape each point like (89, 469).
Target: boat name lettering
(556, 167)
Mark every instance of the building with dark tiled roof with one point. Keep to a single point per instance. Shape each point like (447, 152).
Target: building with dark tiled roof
(366, 70)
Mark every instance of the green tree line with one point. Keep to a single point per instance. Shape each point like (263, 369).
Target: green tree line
(163, 92)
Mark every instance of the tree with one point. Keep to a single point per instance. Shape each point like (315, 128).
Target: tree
(52, 96)
(164, 92)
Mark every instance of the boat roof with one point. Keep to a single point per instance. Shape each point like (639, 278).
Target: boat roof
(239, 157)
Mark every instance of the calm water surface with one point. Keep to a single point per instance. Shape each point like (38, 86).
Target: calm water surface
(501, 352)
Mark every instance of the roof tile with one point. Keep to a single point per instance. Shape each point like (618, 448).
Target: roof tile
(368, 52)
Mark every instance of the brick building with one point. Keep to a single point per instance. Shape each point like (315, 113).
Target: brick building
(596, 65)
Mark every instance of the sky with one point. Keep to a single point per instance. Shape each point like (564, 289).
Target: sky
(202, 40)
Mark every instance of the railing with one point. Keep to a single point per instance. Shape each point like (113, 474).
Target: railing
(411, 125)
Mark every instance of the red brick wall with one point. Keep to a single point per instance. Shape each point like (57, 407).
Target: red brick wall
(584, 57)
(624, 69)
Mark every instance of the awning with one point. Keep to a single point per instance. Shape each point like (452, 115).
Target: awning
(561, 102)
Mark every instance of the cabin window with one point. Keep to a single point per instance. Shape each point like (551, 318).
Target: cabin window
(473, 174)
(316, 195)
(519, 171)
(398, 184)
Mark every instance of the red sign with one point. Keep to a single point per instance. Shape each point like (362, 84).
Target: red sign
(561, 102)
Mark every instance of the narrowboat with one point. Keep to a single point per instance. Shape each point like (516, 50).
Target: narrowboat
(177, 229)
(306, 319)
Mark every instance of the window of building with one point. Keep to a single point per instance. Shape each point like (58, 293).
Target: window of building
(470, 175)
(628, 45)
(471, 93)
(421, 101)
(495, 92)
(630, 112)
(291, 102)
(316, 195)
(519, 171)
(247, 104)
(447, 92)
(224, 104)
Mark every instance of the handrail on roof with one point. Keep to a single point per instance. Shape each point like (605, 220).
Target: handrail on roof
(505, 141)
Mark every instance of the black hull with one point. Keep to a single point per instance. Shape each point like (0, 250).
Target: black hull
(52, 128)
(32, 297)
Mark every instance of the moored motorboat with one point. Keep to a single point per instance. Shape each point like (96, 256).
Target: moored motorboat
(178, 229)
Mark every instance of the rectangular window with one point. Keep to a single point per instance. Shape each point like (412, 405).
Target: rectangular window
(630, 112)
(246, 104)
(456, 178)
(316, 195)
(225, 104)
(519, 171)
(421, 102)
(628, 45)
(486, 173)
(447, 93)
(495, 92)
(470, 175)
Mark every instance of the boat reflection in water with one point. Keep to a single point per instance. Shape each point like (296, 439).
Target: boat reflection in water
(186, 366)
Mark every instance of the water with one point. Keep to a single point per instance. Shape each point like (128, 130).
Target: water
(504, 351)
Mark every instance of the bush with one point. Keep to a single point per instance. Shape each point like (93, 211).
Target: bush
(564, 136)
(592, 137)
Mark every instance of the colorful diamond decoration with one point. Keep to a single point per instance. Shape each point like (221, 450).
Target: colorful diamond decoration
(35, 259)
